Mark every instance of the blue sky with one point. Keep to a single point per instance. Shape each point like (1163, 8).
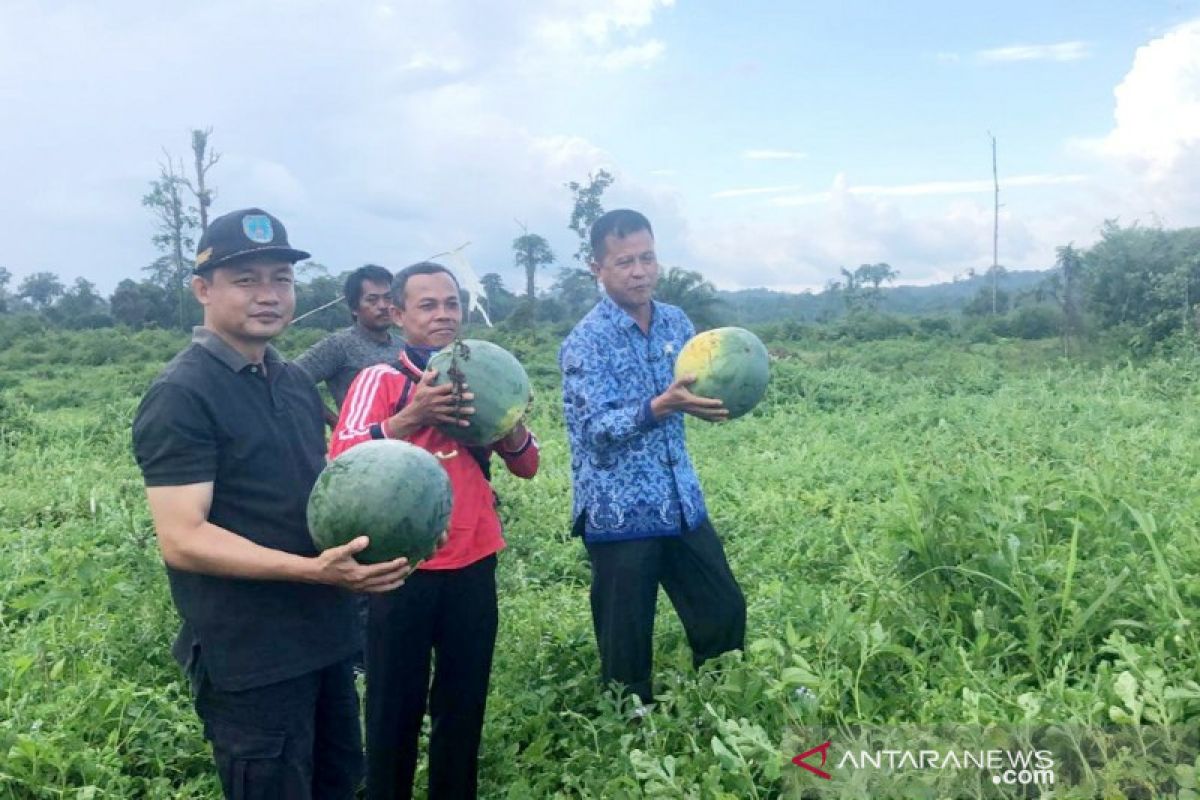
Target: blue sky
(771, 143)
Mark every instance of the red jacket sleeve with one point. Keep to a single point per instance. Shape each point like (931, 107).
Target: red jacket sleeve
(371, 399)
(522, 462)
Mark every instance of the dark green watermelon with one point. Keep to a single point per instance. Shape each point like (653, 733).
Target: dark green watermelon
(499, 382)
(392, 491)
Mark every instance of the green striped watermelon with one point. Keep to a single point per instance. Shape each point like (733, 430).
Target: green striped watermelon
(501, 388)
(392, 491)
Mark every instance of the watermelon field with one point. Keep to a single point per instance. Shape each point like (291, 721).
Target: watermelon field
(936, 538)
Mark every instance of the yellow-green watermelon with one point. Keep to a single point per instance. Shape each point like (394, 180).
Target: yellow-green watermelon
(501, 388)
(392, 491)
(730, 364)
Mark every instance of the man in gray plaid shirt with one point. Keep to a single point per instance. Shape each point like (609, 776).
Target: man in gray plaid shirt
(340, 356)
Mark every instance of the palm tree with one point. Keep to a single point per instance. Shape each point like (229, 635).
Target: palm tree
(691, 292)
(1070, 263)
(532, 251)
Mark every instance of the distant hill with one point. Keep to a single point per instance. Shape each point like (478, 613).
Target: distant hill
(751, 306)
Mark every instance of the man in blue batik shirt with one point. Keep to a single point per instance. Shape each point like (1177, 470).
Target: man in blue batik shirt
(637, 500)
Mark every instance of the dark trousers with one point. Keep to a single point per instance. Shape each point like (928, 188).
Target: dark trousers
(293, 740)
(695, 574)
(451, 616)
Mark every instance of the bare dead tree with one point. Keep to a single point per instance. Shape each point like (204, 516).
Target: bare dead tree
(205, 159)
(172, 230)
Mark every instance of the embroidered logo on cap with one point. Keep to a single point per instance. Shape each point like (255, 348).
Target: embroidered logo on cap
(204, 256)
(257, 228)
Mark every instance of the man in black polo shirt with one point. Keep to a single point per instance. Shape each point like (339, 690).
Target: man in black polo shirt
(230, 439)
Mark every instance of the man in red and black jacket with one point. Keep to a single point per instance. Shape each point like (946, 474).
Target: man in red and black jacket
(448, 605)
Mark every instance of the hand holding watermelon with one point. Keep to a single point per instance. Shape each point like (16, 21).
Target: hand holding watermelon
(431, 404)
(338, 567)
(730, 364)
(678, 397)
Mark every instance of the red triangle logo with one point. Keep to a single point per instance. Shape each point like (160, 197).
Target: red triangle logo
(800, 761)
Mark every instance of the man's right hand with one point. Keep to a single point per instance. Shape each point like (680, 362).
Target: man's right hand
(337, 567)
(431, 405)
(678, 397)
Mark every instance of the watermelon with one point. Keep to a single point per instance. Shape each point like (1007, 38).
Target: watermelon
(394, 492)
(730, 364)
(499, 382)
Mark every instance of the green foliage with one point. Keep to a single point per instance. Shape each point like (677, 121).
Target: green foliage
(696, 296)
(981, 303)
(755, 306)
(500, 301)
(870, 326)
(317, 288)
(174, 238)
(586, 209)
(1148, 278)
(5, 280)
(140, 304)
(576, 291)
(81, 308)
(860, 290)
(928, 532)
(1034, 322)
(41, 289)
(16, 328)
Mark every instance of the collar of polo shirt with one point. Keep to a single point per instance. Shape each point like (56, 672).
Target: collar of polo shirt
(226, 354)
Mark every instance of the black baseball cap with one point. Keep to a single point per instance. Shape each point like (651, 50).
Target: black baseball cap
(238, 234)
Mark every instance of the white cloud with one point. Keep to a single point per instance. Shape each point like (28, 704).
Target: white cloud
(802, 238)
(637, 55)
(754, 190)
(900, 190)
(1157, 111)
(388, 132)
(773, 155)
(807, 251)
(597, 33)
(1148, 170)
(1062, 51)
(379, 132)
(604, 19)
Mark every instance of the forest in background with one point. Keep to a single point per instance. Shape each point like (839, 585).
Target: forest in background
(1137, 286)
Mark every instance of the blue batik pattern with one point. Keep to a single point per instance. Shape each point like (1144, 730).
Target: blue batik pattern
(631, 476)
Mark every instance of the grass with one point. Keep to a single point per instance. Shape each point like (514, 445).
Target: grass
(928, 534)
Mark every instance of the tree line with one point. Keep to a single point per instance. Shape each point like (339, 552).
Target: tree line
(1142, 280)
(179, 202)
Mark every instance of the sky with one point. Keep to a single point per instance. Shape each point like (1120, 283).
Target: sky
(769, 143)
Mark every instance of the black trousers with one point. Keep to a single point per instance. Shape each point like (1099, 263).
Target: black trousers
(695, 574)
(451, 616)
(293, 740)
